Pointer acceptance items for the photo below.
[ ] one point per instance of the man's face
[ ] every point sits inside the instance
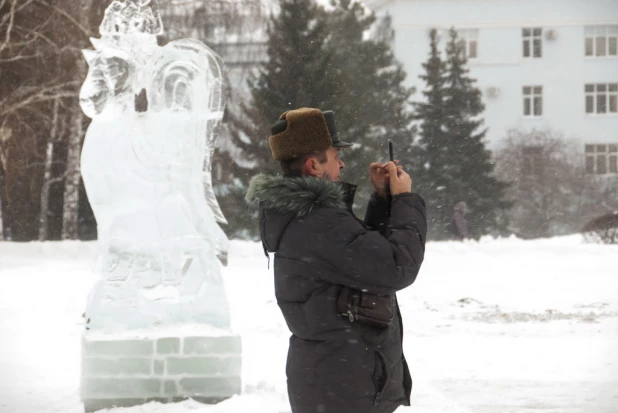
(331, 169)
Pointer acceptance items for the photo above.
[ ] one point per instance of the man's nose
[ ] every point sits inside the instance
(341, 164)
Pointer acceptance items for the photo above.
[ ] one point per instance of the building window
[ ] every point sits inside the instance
(601, 41)
(533, 42)
(601, 98)
(602, 159)
(533, 101)
(469, 40)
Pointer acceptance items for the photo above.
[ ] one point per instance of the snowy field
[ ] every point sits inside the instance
(496, 326)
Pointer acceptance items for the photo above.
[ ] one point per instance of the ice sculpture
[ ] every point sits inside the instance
(147, 175)
(158, 324)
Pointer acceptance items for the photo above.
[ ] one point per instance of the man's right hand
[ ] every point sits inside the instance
(400, 181)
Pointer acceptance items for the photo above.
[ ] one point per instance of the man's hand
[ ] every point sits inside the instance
(380, 176)
(400, 181)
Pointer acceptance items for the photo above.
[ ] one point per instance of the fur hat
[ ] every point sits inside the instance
(302, 131)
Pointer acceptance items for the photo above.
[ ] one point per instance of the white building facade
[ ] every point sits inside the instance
(541, 64)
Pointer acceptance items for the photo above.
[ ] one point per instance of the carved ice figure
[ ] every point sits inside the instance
(131, 17)
(147, 175)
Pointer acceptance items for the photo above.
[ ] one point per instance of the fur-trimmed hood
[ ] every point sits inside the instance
(281, 199)
(300, 195)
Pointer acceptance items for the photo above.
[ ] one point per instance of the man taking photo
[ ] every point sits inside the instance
(336, 276)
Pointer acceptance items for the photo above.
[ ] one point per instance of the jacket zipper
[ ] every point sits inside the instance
(387, 378)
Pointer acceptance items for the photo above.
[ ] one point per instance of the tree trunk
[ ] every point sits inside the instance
(70, 211)
(1, 223)
(3, 138)
(47, 171)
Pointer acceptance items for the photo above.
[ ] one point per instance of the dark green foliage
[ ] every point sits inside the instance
(287, 80)
(452, 163)
(430, 169)
(322, 59)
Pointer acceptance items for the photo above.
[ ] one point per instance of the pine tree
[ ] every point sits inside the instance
(456, 164)
(322, 59)
(431, 172)
(289, 79)
(476, 182)
(369, 94)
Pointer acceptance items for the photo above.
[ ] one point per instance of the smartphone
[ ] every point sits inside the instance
(389, 197)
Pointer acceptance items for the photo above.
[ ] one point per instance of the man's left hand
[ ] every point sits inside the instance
(379, 177)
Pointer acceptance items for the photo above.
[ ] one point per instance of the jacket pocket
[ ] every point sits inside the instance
(381, 376)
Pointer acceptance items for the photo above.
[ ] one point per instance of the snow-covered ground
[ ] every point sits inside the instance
(491, 326)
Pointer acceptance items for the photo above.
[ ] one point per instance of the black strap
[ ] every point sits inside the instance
(266, 253)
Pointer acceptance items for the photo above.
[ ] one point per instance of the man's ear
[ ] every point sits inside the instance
(311, 165)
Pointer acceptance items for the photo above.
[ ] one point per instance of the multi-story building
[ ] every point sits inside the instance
(542, 64)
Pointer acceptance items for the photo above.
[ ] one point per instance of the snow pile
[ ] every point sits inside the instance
(490, 326)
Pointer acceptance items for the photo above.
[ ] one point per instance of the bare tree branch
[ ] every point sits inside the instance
(18, 58)
(58, 178)
(9, 16)
(552, 193)
(34, 33)
(27, 96)
(9, 27)
(37, 164)
(84, 30)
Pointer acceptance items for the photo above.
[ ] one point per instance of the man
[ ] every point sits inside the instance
(460, 222)
(336, 276)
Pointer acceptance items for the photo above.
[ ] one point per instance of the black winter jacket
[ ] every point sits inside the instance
(334, 365)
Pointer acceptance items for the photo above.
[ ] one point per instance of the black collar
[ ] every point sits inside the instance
(349, 192)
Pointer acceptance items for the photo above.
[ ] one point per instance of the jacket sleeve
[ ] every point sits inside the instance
(377, 215)
(363, 259)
